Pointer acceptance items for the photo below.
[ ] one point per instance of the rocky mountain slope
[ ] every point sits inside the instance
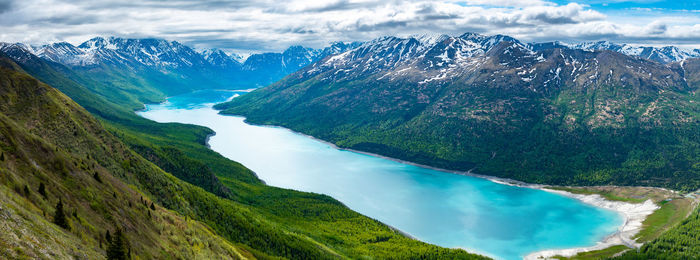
(496, 106)
(666, 54)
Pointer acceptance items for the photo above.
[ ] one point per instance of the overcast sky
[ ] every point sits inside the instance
(264, 25)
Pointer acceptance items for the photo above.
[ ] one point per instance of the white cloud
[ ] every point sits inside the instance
(253, 26)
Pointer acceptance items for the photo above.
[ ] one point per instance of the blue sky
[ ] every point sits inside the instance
(641, 11)
(624, 5)
(269, 25)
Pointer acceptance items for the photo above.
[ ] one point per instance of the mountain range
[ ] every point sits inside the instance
(664, 54)
(219, 68)
(171, 55)
(77, 164)
(497, 106)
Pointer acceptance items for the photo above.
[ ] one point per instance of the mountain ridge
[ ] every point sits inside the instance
(496, 104)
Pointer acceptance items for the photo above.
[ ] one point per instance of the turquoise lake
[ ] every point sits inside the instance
(446, 209)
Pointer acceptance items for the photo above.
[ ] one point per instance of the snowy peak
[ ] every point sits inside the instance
(665, 54)
(17, 51)
(216, 57)
(338, 47)
(150, 52)
(430, 39)
(96, 43)
(426, 51)
(293, 58)
(600, 45)
(487, 42)
(297, 55)
(65, 53)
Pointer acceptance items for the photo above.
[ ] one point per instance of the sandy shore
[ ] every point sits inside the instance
(634, 215)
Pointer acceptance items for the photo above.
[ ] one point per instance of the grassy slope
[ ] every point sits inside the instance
(671, 213)
(680, 242)
(33, 117)
(271, 220)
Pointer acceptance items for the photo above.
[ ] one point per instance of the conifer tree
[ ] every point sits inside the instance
(97, 177)
(42, 190)
(152, 206)
(59, 217)
(118, 247)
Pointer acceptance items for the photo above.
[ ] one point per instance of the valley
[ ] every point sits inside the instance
(593, 144)
(433, 206)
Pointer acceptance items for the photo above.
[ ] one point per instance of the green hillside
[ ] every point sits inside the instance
(601, 122)
(51, 150)
(259, 221)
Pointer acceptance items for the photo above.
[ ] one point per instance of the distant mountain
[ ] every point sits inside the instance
(219, 58)
(665, 54)
(137, 71)
(161, 62)
(499, 106)
(266, 68)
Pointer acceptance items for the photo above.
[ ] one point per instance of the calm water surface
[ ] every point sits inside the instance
(441, 208)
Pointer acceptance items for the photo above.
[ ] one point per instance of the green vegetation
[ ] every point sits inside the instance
(53, 146)
(59, 217)
(135, 194)
(669, 215)
(118, 247)
(597, 254)
(682, 241)
(317, 222)
(631, 129)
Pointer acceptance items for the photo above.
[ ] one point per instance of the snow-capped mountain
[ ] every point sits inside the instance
(66, 53)
(163, 54)
(293, 58)
(665, 54)
(428, 61)
(219, 58)
(149, 52)
(269, 67)
(17, 51)
(438, 55)
(171, 57)
(441, 56)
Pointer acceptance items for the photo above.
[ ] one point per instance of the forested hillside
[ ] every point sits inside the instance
(491, 105)
(255, 220)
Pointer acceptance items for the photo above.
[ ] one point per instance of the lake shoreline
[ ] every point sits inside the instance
(633, 214)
